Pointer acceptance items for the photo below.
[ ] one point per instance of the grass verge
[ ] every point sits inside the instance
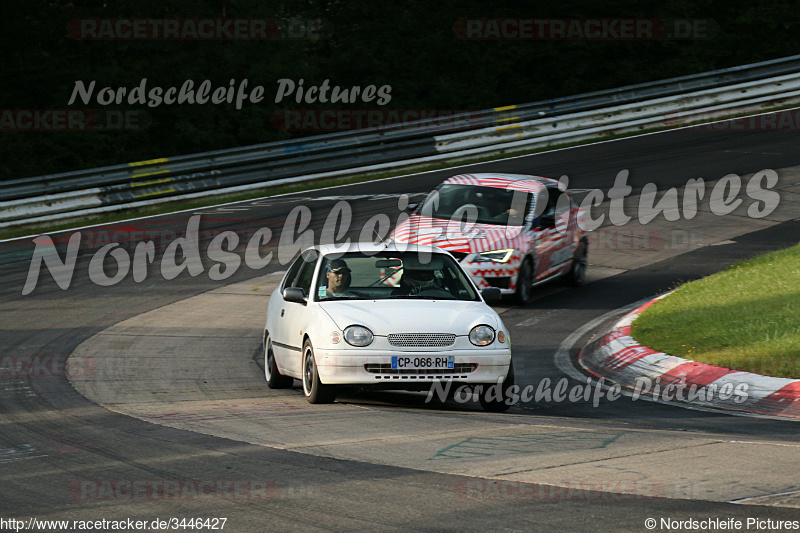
(746, 317)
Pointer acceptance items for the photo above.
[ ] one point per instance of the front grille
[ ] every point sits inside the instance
(459, 370)
(422, 340)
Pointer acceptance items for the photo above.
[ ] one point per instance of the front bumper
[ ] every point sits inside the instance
(490, 274)
(372, 367)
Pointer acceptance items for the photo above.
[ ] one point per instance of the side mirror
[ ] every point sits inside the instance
(412, 207)
(492, 295)
(294, 294)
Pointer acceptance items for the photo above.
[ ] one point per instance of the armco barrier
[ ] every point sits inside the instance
(671, 102)
(617, 357)
(651, 113)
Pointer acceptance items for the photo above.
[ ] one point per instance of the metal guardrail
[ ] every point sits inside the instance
(77, 193)
(655, 112)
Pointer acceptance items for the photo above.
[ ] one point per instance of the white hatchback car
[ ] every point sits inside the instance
(391, 317)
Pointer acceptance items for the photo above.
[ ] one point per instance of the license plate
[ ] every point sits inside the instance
(446, 362)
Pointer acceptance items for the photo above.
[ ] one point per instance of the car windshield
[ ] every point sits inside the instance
(483, 205)
(392, 275)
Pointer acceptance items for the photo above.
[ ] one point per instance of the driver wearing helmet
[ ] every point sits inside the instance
(416, 280)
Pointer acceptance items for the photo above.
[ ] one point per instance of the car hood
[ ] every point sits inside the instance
(447, 235)
(411, 316)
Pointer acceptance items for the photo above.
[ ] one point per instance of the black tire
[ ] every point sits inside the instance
(524, 282)
(275, 380)
(577, 270)
(313, 388)
(498, 403)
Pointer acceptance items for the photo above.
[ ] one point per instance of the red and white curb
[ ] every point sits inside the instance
(619, 358)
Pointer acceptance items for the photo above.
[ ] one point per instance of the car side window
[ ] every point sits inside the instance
(304, 276)
(548, 216)
(565, 204)
(292, 275)
(530, 203)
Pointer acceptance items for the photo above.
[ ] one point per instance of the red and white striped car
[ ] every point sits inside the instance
(507, 231)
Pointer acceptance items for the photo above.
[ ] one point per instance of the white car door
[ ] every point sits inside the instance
(287, 345)
(294, 317)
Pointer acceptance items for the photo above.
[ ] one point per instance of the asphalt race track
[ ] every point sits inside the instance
(171, 397)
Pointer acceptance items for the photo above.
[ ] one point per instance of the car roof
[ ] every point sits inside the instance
(503, 181)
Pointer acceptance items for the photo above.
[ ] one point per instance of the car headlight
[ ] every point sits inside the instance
(481, 335)
(495, 256)
(358, 336)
